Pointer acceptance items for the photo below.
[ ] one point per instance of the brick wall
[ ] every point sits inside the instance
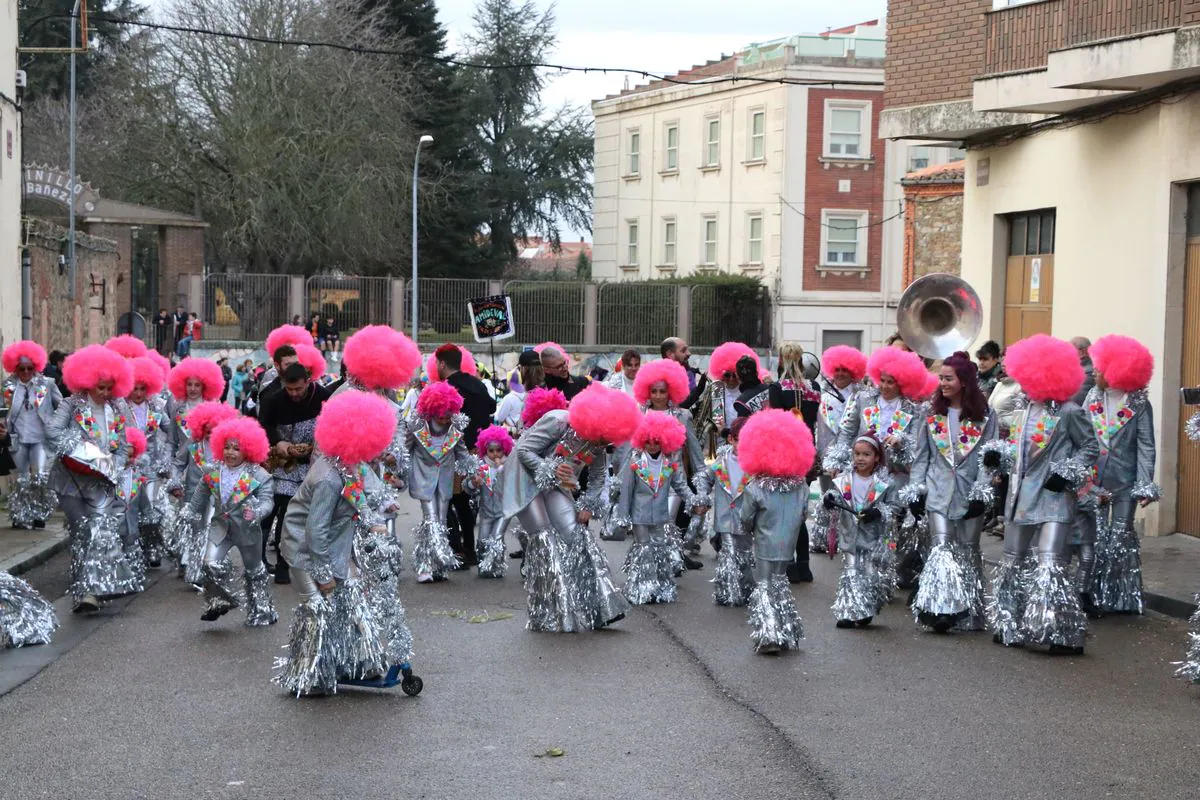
(1191, 12)
(935, 49)
(58, 323)
(180, 252)
(821, 191)
(120, 295)
(932, 230)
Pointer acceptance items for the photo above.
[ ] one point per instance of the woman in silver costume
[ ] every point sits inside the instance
(652, 476)
(958, 454)
(842, 371)
(337, 633)
(715, 411)
(567, 576)
(492, 448)
(89, 430)
(31, 399)
(240, 494)
(148, 413)
(436, 453)
(721, 485)
(1123, 421)
(861, 504)
(775, 448)
(1051, 448)
(25, 616)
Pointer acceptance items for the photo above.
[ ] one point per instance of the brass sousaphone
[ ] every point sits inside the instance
(939, 314)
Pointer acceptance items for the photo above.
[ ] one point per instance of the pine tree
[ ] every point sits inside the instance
(47, 23)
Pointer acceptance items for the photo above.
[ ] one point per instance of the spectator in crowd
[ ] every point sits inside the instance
(180, 319)
(1082, 345)
(677, 350)
(479, 406)
(529, 368)
(238, 383)
(330, 336)
(990, 368)
(297, 320)
(227, 374)
(184, 348)
(314, 327)
(558, 375)
(163, 327)
(54, 370)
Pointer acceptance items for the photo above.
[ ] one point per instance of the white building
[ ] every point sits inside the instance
(778, 175)
(10, 179)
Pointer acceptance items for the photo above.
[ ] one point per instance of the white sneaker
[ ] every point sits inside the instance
(425, 577)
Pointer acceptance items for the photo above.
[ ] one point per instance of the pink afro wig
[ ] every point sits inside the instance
(845, 357)
(247, 433)
(162, 362)
(85, 369)
(468, 365)
(287, 334)
(204, 418)
(539, 348)
(355, 427)
(212, 382)
(26, 348)
(539, 402)
(439, 400)
(1125, 363)
(921, 392)
(724, 359)
(906, 368)
(381, 358)
(137, 441)
(1046, 368)
(494, 434)
(777, 444)
(148, 374)
(600, 414)
(658, 426)
(662, 371)
(127, 346)
(311, 359)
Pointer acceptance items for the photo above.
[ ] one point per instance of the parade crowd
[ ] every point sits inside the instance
(894, 462)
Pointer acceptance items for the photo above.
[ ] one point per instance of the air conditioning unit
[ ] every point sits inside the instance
(22, 80)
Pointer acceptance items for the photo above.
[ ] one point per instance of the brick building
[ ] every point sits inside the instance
(782, 177)
(1081, 192)
(933, 209)
(57, 322)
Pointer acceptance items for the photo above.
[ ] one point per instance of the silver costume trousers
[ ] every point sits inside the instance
(553, 509)
(964, 532)
(1085, 551)
(217, 552)
(30, 458)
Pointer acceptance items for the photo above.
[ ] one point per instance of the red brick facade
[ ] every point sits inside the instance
(821, 192)
(180, 252)
(58, 323)
(936, 49)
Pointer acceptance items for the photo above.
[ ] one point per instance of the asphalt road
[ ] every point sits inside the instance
(147, 701)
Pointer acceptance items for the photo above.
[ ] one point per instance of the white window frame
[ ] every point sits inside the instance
(670, 152)
(860, 254)
(750, 240)
(705, 242)
(864, 129)
(632, 233)
(633, 154)
(670, 254)
(711, 145)
(912, 154)
(752, 138)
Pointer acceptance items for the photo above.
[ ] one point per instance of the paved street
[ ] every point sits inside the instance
(149, 702)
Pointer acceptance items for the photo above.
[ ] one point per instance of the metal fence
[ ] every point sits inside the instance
(245, 306)
(637, 313)
(352, 301)
(549, 311)
(720, 314)
(442, 307)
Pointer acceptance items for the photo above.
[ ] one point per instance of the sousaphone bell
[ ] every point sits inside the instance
(938, 315)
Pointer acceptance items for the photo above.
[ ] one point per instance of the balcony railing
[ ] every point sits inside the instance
(1021, 37)
(1096, 20)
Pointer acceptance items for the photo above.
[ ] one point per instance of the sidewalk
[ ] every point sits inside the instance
(1170, 571)
(21, 551)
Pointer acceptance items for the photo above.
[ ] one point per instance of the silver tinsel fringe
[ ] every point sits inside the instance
(380, 557)
(1192, 427)
(597, 600)
(1146, 490)
(25, 616)
(546, 575)
(493, 561)
(885, 578)
(910, 493)
(1118, 570)
(1006, 603)
(818, 530)
(905, 453)
(1070, 470)
(169, 527)
(771, 483)
(976, 619)
(650, 572)
(773, 616)
(99, 566)
(1005, 451)
(857, 596)
(1052, 614)
(31, 500)
(308, 666)
(983, 491)
(836, 459)
(260, 610)
(192, 541)
(219, 585)
(1189, 668)
(947, 585)
(431, 548)
(731, 579)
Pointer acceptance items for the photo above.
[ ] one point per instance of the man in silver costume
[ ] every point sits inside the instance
(31, 399)
(1051, 448)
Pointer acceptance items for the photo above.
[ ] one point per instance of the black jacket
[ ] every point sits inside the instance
(569, 386)
(478, 405)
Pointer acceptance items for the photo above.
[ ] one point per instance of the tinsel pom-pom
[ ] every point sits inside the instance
(1192, 427)
(946, 586)
(1071, 470)
(1053, 615)
(773, 616)
(1147, 490)
(910, 493)
(25, 616)
(836, 459)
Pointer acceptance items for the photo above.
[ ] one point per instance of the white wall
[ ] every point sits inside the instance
(10, 180)
(1118, 241)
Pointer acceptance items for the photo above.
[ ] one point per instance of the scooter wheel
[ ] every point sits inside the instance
(412, 685)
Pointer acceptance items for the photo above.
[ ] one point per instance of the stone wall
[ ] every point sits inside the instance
(933, 215)
(62, 324)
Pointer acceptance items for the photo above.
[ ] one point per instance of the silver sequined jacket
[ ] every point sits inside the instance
(434, 458)
(951, 474)
(713, 488)
(1064, 446)
(50, 400)
(773, 511)
(833, 409)
(852, 531)
(64, 433)
(258, 495)
(530, 469)
(861, 418)
(1126, 463)
(644, 504)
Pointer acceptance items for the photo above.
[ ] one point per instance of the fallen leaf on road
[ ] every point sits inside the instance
(551, 752)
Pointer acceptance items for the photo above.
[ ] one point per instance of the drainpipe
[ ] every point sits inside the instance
(26, 293)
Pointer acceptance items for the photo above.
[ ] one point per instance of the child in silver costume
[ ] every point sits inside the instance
(493, 446)
(654, 472)
(148, 413)
(722, 485)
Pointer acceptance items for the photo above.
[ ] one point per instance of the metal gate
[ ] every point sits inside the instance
(442, 308)
(548, 311)
(352, 301)
(244, 306)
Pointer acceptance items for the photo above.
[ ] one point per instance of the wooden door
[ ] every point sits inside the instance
(1028, 296)
(1188, 509)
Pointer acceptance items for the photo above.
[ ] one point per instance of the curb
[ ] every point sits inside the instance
(1161, 603)
(39, 557)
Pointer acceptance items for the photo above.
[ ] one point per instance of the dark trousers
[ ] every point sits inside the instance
(462, 535)
(274, 522)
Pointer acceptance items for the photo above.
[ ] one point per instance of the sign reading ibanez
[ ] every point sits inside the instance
(57, 185)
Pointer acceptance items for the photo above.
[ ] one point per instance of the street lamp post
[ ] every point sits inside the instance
(426, 139)
(71, 167)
